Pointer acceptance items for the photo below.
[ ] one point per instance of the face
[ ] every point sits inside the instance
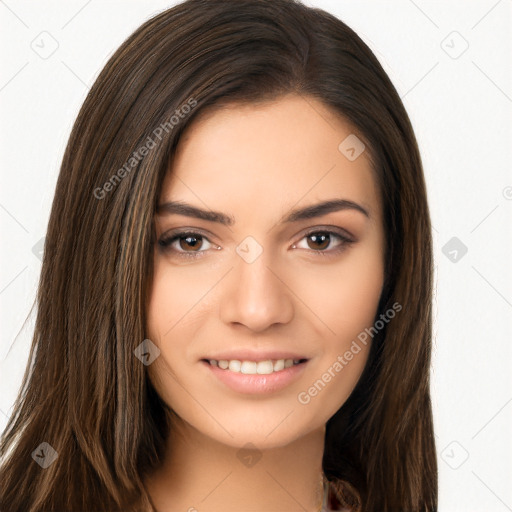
(260, 281)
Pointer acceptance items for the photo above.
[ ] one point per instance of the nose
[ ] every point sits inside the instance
(256, 295)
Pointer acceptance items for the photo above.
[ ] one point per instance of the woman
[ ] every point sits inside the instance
(234, 310)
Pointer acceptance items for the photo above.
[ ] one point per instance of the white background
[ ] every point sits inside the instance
(460, 104)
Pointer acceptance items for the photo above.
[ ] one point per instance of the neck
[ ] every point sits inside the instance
(201, 474)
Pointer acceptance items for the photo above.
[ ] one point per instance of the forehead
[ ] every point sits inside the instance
(270, 155)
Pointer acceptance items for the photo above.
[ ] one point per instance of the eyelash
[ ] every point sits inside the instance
(167, 240)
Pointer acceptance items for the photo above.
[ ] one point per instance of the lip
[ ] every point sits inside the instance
(251, 355)
(257, 384)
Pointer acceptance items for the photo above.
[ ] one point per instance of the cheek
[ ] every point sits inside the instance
(176, 311)
(161, 307)
(344, 297)
(168, 315)
(176, 297)
(360, 289)
(347, 310)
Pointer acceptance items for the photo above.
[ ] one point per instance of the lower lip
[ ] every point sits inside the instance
(257, 384)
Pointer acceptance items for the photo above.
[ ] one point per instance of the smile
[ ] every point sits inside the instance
(255, 367)
(244, 377)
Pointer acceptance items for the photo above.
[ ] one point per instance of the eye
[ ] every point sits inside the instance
(179, 243)
(321, 240)
(321, 243)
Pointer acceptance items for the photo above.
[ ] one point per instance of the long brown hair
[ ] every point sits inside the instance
(84, 392)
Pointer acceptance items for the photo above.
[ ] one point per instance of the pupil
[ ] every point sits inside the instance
(319, 239)
(195, 243)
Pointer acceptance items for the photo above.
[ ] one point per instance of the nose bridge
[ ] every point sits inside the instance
(256, 295)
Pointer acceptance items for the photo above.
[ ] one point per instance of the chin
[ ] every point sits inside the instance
(268, 433)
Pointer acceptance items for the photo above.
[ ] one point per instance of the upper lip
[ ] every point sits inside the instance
(251, 355)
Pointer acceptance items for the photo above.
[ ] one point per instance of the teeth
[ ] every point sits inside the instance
(253, 367)
(235, 365)
(279, 365)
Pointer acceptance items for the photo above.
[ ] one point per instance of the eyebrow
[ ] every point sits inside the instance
(309, 212)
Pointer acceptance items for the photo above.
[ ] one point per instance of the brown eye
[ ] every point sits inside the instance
(184, 243)
(319, 242)
(190, 241)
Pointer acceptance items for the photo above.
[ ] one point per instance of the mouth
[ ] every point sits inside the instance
(261, 378)
(266, 367)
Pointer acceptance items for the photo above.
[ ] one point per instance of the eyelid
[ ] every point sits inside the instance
(187, 229)
(336, 229)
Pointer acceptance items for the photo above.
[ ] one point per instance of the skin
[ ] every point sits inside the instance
(257, 163)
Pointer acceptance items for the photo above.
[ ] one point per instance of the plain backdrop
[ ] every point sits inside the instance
(448, 60)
